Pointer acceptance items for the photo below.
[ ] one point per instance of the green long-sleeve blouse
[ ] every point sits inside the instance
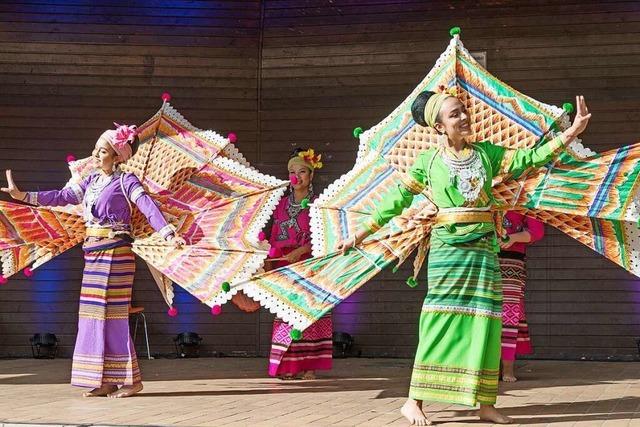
(454, 185)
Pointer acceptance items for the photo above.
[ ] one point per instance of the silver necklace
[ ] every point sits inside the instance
(293, 210)
(93, 192)
(469, 174)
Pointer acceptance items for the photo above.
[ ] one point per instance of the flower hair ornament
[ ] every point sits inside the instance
(311, 158)
(307, 158)
(121, 139)
(450, 91)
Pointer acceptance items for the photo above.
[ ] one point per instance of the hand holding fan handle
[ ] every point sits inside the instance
(353, 241)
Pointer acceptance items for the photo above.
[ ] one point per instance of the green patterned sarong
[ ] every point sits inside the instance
(458, 354)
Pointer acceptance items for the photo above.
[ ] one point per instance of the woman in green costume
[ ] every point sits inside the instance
(458, 355)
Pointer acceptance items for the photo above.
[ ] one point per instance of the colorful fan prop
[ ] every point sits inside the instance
(204, 187)
(588, 196)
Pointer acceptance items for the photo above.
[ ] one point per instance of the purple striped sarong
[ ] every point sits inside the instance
(104, 352)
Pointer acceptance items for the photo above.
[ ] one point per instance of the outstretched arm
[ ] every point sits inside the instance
(144, 202)
(513, 162)
(401, 197)
(70, 195)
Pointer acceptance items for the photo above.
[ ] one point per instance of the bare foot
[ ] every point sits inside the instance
(288, 377)
(309, 375)
(508, 371)
(101, 391)
(490, 413)
(126, 391)
(412, 411)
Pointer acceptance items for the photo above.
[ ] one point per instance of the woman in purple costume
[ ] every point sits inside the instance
(104, 357)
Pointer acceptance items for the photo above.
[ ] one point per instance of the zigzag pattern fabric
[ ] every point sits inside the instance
(204, 187)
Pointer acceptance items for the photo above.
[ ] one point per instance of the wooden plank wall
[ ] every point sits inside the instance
(304, 73)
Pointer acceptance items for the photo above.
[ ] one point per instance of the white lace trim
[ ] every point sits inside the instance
(284, 311)
(318, 242)
(167, 231)
(580, 150)
(8, 266)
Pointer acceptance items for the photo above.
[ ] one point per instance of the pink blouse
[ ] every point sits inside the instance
(515, 222)
(289, 233)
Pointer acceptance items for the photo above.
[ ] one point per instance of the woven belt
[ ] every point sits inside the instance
(102, 232)
(463, 217)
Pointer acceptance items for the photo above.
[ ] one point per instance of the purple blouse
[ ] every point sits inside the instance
(104, 202)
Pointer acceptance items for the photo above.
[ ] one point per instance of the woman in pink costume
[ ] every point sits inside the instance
(521, 231)
(290, 241)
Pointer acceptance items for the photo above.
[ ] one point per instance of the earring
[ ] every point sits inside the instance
(311, 187)
(442, 139)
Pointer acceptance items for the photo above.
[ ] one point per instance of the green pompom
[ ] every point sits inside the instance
(357, 132)
(454, 31)
(293, 297)
(304, 203)
(226, 286)
(412, 282)
(295, 334)
(568, 107)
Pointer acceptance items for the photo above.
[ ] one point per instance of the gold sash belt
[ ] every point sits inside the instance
(103, 232)
(463, 217)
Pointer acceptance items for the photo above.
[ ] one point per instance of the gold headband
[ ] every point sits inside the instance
(432, 108)
(299, 161)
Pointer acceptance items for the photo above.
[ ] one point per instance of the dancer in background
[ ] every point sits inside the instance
(290, 241)
(521, 231)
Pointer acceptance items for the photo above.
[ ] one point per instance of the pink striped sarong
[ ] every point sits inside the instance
(314, 351)
(515, 331)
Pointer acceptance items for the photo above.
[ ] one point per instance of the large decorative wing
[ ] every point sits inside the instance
(203, 186)
(219, 211)
(31, 236)
(592, 199)
(302, 292)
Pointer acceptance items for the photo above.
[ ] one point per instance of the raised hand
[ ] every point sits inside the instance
(582, 117)
(12, 188)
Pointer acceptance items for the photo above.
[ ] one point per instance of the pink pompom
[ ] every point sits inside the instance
(216, 310)
(3, 280)
(173, 312)
(293, 179)
(71, 158)
(232, 137)
(261, 236)
(28, 272)
(166, 97)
